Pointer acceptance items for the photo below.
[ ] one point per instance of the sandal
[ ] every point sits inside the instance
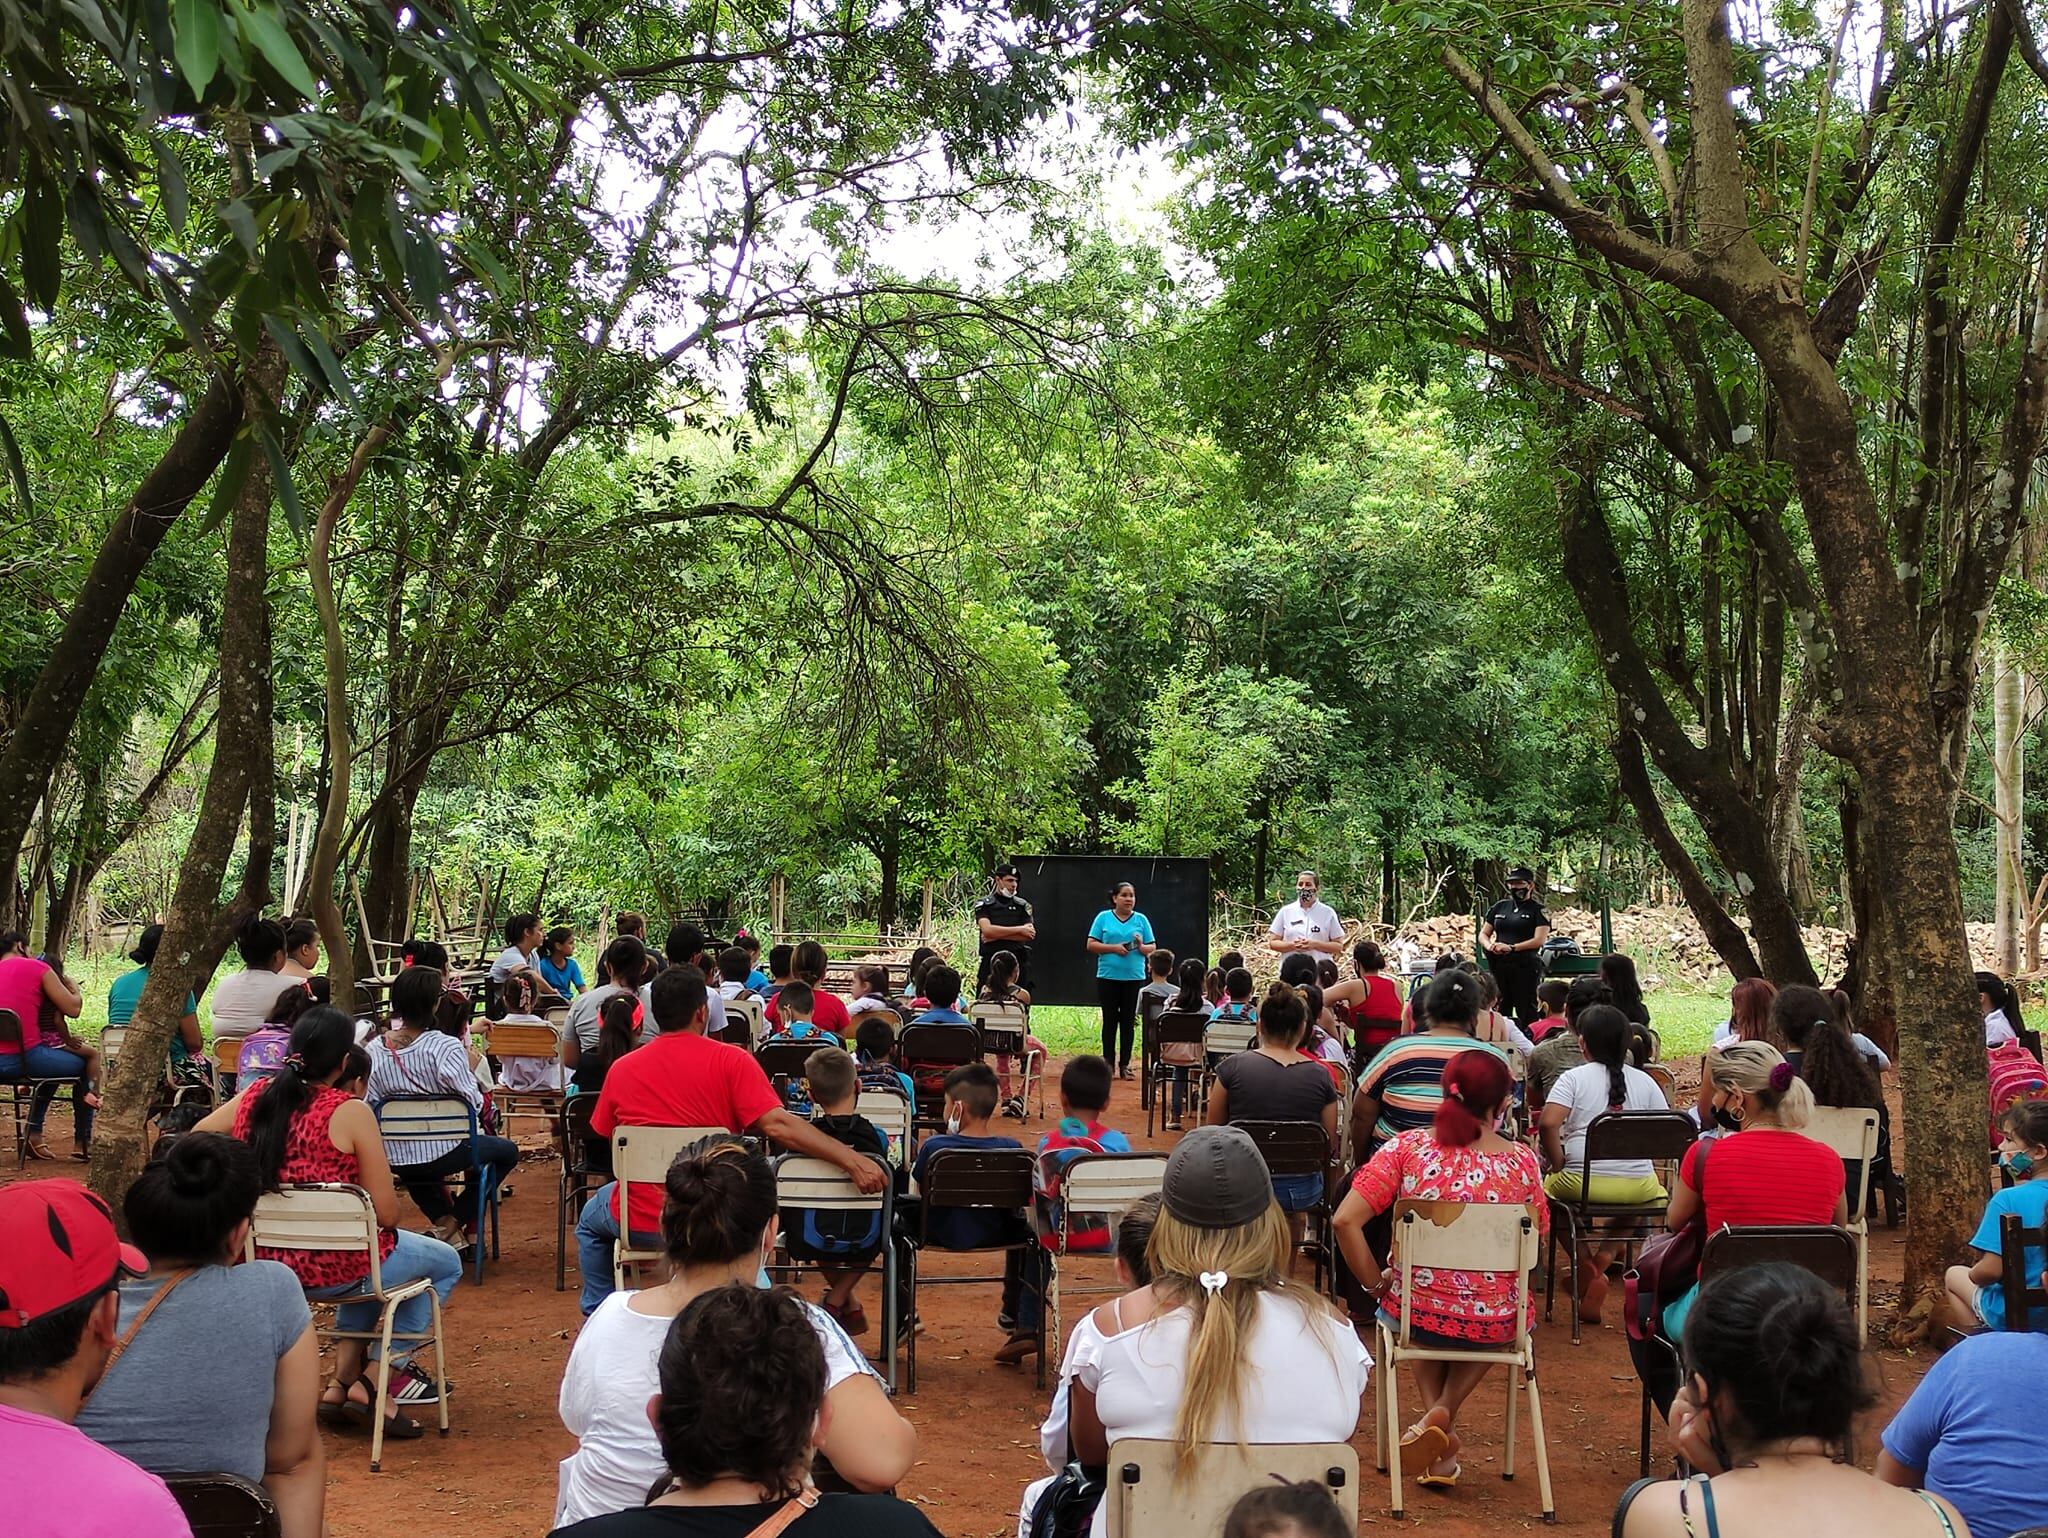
(397, 1425)
(1447, 1481)
(37, 1148)
(1421, 1447)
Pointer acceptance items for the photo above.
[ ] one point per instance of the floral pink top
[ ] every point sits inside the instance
(1467, 1305)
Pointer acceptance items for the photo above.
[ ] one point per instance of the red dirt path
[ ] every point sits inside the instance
(977, 1422)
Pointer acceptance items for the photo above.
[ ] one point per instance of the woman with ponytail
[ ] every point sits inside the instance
(1605, 1082)
(189, 1212)
(1459, 1157)
(1766, 1172)
(2000, 1003)
(303, 1128)
(718, 1227)
(1223, 1345)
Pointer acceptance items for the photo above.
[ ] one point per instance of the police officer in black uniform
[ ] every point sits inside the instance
(1512, 934)
(1005, 923)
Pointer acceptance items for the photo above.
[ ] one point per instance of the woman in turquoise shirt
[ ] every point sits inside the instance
(1120, 939)
(188, 1063)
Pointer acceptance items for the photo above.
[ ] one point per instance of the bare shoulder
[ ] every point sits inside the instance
(1652, 1510)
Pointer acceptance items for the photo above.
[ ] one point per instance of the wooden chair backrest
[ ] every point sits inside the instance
(1145, 1497)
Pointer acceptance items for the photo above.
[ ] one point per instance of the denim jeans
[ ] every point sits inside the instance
(43, 1062)
(1024, 1287)
(418, 1257)
(596, 1232)
(423, 1182)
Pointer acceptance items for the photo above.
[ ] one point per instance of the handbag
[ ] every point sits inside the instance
(1067, 1506)
(1666, 1265)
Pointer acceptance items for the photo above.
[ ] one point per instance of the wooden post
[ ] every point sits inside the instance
(778, 906)
(924, 928)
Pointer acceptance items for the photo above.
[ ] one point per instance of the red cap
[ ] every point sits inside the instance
(57, 1247)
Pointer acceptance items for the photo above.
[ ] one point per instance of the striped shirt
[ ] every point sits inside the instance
(1407, 1079)
(431, 1064)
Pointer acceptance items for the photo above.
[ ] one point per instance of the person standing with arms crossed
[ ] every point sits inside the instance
(1308, 924)
(1005, 924)
(1120, 939)
(1512, 934)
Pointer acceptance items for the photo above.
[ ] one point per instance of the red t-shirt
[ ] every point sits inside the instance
(679, 1079)
(828, 1013)
(1766, 1175)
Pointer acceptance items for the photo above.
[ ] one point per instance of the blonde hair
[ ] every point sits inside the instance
(1748, 1066)
(1255, 1256)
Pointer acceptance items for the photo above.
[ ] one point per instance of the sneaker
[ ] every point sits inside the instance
(1006, 1323)
(1173, 1124)
(411, 1386)
(1014, 1106)
(1016, 1349)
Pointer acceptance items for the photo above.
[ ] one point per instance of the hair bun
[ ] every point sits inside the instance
(194, 1167)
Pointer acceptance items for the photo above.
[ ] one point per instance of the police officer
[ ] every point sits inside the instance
(1512, 934)
(1004, 920)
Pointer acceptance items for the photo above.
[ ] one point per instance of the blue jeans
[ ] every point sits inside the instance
(419, 1257)
(42, 1062)
(596, 1232)
(1024, 1287)
(1297, 1193)
(424, 1183)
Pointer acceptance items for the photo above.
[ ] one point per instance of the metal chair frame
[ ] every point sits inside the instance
(993, 1179)
(1662, 1137)
(448, 1116)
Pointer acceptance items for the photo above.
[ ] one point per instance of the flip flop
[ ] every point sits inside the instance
(1440, 1481)
(1422, 1447)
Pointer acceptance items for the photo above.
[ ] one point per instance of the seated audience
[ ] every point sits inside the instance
(913, 975)
(1824, 1054)
(735, 966)
(795, 1007)
(301, 949)
(1551, 995)
(620, 966)
(1179, 1057)
(2000, 1003)
(942, 997)
(1084, 1339)
(305, 1129)
(843, 1244)
(1302, 1510)
(1374, 1001)
(870, 991)
(1224, 1345)
(1958, 1436)
(1460, 1157)
(1084, 1097)
(1559, 1052)
(684, 1079)
(264, 1049)
(807, 965)
(61, 1264)
(718, 1227)
(1766, 1172)
(970, 1106)
(778, 971)
(529, 1075)
(875, 1043)
(1605, 1082)
(189, 1213)
(521, 953)
(1161, 986)
(618, 1032)
(634, 924)
(1277, 1081)
(242, 1000)
(1750, 1016)
(1619, 973)
(743, 1404)
(757, 980)
(1773, 1383)
(414, 1060)
(1495, 1027)
(1975, 1294)
(188, 1061)
(1001, 987)
(27, 985)
(1403, 1086)
(557, 963)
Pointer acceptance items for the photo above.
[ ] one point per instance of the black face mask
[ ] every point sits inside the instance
(1725, 1121)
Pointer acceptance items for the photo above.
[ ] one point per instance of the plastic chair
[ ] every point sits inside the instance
(541, 1043)
(748, 1012)
(447, 1116)
(889, 1113)
(1851, 1132)
(1176, 1028)
(1105, 1185)
(1005, 1028)
(579, 1178)
(341, 1218)
(1662, 1137)
(224, 1506)
(22, 1091)
(993, 1179)
(804, 1184)
(641, 1156)
(1463, 1236)
(1299, 1148)
(1145, 1496)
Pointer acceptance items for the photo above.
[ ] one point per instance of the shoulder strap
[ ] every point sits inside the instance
(1628, 1499)
(1948, 1528)
(792, 1508)
(170, 1285)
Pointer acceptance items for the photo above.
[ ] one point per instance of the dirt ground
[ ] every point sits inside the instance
(977, 1422)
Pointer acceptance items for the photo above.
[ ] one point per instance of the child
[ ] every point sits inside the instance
(875, 1038)
(263, 1049)
(1001, 988)
(779, 959)
(1304, 1510)
(941, 996)
(1181, 1056)
(1084, 1096)
(1551, 994)
(528, 1074)
(921, 959)
(970, 1106)
(756, 978)
(1214, 989)
(793, 1006)
(1159, 989)
(843, 1243)
(734, 969)
(1975, 1298)
(870, 990)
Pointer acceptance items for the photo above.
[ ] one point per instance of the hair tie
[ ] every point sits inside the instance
(1215, 1281)
(294, 1062)
(1781, 1077)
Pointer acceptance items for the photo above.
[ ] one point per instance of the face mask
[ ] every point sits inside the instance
(2020, 1164)
(1726, 1120)
(953, 1125)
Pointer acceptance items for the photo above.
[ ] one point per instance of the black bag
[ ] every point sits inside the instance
(1667, 1264)
(1068, 1504)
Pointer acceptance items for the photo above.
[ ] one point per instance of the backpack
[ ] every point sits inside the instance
(2016, 1075)
(263, 1054)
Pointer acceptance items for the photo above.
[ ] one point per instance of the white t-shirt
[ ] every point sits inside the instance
(1582, 1091)
(1998, 1030)
(512, 959)
(242, 1000)
(1318, 921)
(1303, 1378)
(714, 1015)
(530, 1074)
(613, 1371)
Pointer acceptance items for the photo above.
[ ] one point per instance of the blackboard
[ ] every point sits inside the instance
(1066, 891)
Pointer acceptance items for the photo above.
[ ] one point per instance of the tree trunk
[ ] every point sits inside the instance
(1786, 816)
(43, 731)
(1721, 930)
(1390, 885)
(890, 854)
(196, 930)
(2008, 768)
(387, 881)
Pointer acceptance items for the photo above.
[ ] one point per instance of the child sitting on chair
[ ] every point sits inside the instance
(529, 1074)
(1001, 988)
(793, 1007)
(1084, 1096)
(875, 1044)
(844, 1244)
(1976, 1300)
